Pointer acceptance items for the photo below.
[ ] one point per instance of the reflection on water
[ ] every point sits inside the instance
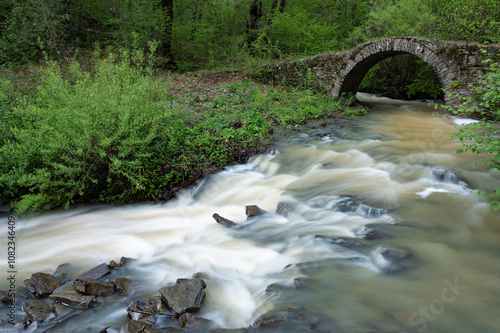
(393, 171)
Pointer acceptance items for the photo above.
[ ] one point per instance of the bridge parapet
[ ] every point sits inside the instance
(456, 65)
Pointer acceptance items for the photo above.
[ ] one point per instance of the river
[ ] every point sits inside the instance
(435, 267)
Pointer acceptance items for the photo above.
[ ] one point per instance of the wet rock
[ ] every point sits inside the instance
(371, 212)
(223, 221)
(394, 255)
(185, 296)
(124, 285)
(5, 298)
(300, 284)
(347, 204)
(448, 176)
(195, 323)
(284, 209)
(342, 241)
(37, 310)
(69, 296)
(42, 284)
(271, 320)
(389, 260)
(96, 272)
(93, 287)
(113, 265)
(275, 289)
(253, 210)
(144, 325)
(372, 234)
(231, 330)
(124, 261)
(62, 311)
(156, 302)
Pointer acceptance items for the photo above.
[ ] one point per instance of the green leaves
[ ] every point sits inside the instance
(483, 137)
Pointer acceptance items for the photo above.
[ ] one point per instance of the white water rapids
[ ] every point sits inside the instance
(387, 159)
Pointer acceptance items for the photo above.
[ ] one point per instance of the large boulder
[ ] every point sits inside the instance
(185, 296)
(69, 296)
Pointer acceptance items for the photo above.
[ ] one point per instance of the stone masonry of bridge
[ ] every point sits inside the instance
(456, 65)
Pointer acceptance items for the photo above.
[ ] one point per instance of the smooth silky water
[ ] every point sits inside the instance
(449, 283)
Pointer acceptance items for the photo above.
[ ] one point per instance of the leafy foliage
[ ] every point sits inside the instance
(117, 133)
(483, 137)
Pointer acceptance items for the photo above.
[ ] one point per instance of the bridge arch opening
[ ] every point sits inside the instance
(404, 76)
(358, 61)
(351, 82)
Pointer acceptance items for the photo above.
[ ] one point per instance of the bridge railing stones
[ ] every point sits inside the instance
(456, 65)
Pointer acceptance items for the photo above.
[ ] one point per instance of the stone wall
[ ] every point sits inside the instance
(456, 65)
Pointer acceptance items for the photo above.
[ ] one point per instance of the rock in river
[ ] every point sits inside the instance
(185, 296)
(37, 310)
(93, 287)
(71, 297)
(41, 284)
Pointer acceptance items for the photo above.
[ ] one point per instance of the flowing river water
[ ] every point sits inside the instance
(430, 261)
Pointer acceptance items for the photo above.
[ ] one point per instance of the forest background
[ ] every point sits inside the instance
(90, 104)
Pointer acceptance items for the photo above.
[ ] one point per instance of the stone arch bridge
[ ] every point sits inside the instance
(456, 65)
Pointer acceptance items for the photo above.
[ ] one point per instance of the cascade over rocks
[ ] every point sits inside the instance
(448, 176)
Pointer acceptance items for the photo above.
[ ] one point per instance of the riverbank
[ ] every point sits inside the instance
(130, 134)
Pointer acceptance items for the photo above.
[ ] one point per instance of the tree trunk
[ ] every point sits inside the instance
(166, 46)
(252, 26)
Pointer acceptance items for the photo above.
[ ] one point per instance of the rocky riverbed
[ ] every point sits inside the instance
(51, 301)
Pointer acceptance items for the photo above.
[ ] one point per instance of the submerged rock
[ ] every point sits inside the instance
(124, 261)
(223, 221)
(124, 285)
(448, 176)
(371, 233)
(37, 310)
(389, 260)
(342, 241)
(185, 296)
(42, 284)
(5, 298)
(195, 323)
(93, 287)
(71, 297)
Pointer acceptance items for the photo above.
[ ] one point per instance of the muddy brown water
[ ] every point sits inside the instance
(390, 159)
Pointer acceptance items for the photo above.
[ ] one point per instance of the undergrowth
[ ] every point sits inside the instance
(117, 132)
